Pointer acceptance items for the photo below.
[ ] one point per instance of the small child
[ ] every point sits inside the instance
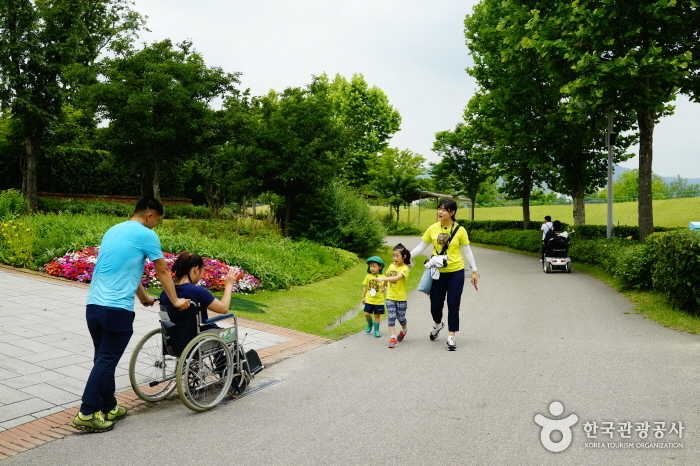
(373, 294)
(396, 301)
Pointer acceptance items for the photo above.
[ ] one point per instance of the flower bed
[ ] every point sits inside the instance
(79, 266)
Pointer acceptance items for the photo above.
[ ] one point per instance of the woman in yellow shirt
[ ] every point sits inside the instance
(451, 281)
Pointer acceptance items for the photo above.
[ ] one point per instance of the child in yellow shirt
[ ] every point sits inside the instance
(396, 300)
(373, 288)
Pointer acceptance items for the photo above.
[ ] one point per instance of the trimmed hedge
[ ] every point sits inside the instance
(76, 206)
(668, 262)
(582, 231)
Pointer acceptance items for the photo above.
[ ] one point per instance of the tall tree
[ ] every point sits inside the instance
(369, 121)
(625, 56)
(156, 101)
(463, 160)
(41, 45)
(298, 141)
(395, 177)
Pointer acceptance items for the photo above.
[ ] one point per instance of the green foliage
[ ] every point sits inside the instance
(12, 203)
(77, 206)
(279, 262)
(338, 217)
(16, 241)
(627, 186)
(675, 267)
(465, 166)
(526, 240)
(369, 122)
(619, 231)
(46, 52)
(157, 103)
(395, 177)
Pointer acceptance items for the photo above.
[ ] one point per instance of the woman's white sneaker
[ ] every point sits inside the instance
(451, 343)
(436, 330)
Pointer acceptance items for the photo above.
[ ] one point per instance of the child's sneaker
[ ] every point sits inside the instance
(402, 335)
(393, 342)
(94, 422)
(436, 330)
(115, 414)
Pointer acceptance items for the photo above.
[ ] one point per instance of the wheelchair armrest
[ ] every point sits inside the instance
(217, 318)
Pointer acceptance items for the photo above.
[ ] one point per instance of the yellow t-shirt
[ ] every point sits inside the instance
(396, 291)
(437, 235)
(378, 287)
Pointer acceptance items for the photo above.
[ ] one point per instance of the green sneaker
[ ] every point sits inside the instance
(94, 422)
(117, 413)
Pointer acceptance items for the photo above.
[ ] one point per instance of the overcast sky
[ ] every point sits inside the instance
(412, 49)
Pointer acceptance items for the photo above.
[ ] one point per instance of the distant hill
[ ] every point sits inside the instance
(619, 170)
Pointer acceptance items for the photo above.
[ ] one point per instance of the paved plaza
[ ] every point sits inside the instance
(46, 350)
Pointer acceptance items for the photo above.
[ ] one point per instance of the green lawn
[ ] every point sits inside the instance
(313, 308)
(667, 213)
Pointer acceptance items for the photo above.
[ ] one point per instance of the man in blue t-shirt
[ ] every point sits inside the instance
(110, 307)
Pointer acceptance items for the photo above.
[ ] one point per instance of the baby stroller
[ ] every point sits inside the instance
(556, 250)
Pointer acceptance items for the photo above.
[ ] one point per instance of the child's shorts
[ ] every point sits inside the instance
(374, 309)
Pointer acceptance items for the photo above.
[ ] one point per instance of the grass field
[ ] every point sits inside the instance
(313, 308)
(667, 213)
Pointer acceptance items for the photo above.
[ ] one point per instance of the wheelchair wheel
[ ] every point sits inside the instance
(241, 377)
(204, 372)
(151, 372)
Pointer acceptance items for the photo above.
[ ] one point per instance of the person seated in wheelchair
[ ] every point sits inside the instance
(187, 270)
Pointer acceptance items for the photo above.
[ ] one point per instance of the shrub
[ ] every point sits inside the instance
(619, 231)
(401, 229)
(496, 225)
(526, 240)
(17, 241)
(337, 217)
(118, 209)
(278, 262)
(12, 203)
(675, 268)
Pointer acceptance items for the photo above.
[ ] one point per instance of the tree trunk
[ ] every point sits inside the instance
(472, 198)
(147, 176)
(578, 196)
(527, 189)
(287, 215)
(156, 180)
(645, 120)
(29, 179)
(398, 211)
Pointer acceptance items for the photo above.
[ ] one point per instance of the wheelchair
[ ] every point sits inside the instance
(203, 370)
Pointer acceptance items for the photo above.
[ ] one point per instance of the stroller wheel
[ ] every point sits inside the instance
(548, 268)
(568, 268)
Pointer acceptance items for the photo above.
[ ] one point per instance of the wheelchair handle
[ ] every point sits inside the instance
(218, 318)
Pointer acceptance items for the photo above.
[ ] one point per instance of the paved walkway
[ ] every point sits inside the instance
(527, 339)
(46, 350)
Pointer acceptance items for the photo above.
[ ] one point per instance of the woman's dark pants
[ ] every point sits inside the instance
(450, 285)
(110, 329)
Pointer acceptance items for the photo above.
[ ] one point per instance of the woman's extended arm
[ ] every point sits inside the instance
(222, 306)
(469, 255)
(419, 249)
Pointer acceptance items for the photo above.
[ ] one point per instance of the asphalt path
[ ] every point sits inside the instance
(527, 339)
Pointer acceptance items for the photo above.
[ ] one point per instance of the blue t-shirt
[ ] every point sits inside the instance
(119, 266)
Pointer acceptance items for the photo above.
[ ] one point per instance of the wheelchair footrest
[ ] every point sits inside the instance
(254, 363)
